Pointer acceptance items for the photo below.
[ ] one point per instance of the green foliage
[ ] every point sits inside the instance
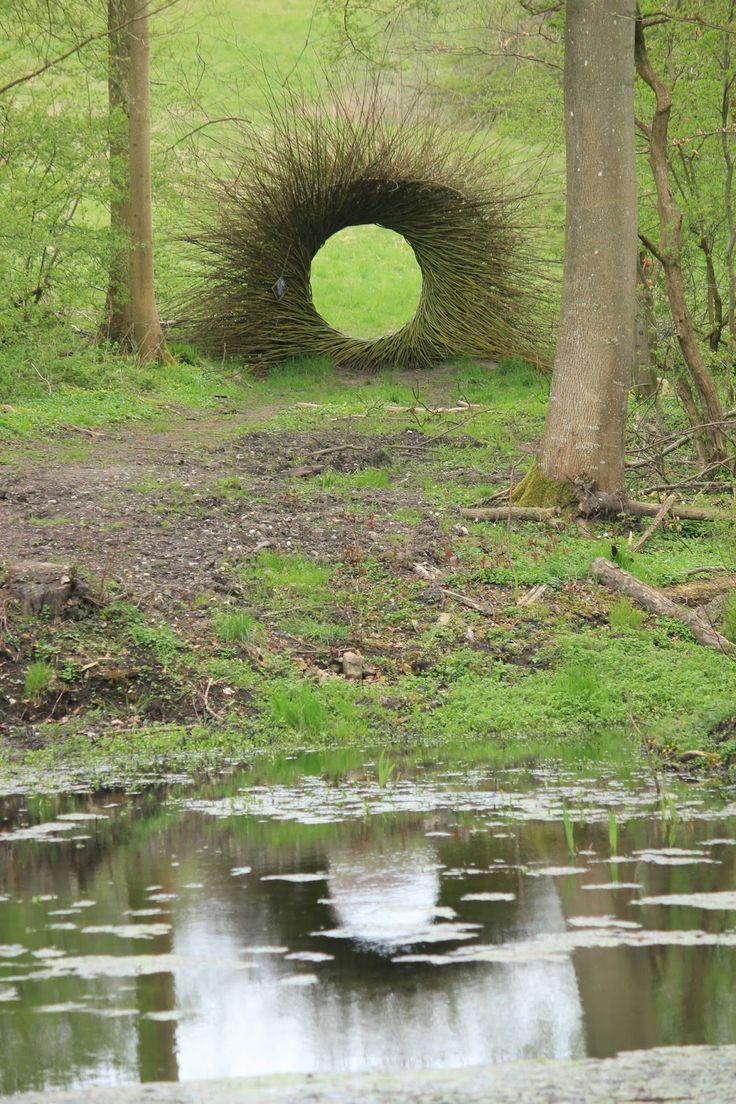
(366, 477)
(185, 353)
(729, 617)
(315, 712)
(613, 831)
(299, 708)
(585, 688)
(89, 386)
(625, 559)
(569, 829)
(384, 768)
(231, 487)
(158, 637)
(308, 628)
(623, 615)
(238, 626)
(38, 681)
(296, 574)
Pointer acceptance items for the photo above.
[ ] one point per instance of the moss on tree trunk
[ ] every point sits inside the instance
(537, 489)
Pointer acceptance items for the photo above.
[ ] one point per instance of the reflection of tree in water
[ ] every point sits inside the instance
(639, 997)
(155, 994)
(40, 1048)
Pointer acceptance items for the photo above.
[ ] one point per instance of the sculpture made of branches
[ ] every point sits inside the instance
(314, 170)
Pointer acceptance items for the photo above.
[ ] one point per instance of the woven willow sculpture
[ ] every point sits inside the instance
(314, 171)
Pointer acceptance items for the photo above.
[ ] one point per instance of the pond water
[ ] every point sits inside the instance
(332, 915)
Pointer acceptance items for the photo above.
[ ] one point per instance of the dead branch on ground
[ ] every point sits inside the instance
(652, 599)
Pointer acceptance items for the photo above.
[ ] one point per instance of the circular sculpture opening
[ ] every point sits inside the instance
(366, 281)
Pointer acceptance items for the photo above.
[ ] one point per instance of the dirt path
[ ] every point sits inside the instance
(159, 510)
(680, 1075)
(161, 519)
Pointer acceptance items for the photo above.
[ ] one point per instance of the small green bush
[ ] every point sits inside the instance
(371, 477)
(298, 707)
(625, 616)
(238, 626)
(309, 628)
(38, 681)
(293, 572)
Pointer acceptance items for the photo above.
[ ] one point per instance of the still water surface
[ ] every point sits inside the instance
(312, 919)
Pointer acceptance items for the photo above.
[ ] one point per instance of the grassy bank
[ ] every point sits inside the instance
(256, 529)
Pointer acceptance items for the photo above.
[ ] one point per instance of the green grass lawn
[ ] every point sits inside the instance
(366, 281)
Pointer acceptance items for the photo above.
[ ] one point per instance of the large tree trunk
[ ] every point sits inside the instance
(147, 332)
(584, 433)
(669, 251)
(119, 323)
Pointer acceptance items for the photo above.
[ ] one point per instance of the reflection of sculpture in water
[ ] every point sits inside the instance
(387, 897)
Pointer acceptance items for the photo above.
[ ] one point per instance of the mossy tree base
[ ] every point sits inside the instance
(537, 489)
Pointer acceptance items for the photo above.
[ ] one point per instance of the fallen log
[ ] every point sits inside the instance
(685, 513)
(516, 513)
(656, 602)
(601, 507)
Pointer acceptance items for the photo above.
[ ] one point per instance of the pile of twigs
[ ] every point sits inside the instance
(315, 169)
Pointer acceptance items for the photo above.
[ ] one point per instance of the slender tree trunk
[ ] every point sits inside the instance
(119, 323)
(644, 376)
(584, 434)
(727, 137)
(147, 332)
(685, 395)
(669, 251)
(716, 321)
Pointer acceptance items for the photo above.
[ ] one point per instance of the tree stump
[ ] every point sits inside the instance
(38, 585)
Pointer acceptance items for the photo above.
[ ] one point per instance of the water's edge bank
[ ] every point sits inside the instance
(687, 1075)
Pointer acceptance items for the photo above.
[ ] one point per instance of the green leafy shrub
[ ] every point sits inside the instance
(298, 707)
(238, 626)
(38, 681)
(625, 616)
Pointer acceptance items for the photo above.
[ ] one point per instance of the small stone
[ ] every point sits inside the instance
(352, 665)
(444, 619)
